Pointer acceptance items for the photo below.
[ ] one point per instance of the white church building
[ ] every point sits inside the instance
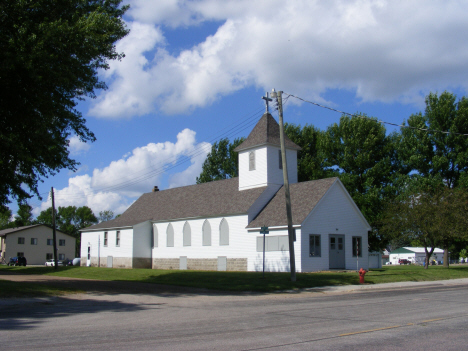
(216, 225)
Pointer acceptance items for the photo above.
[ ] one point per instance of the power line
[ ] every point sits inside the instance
(380, 121)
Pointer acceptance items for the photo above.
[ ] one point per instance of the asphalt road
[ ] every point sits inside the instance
(432, 316)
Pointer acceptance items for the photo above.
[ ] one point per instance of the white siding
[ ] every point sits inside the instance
(335, 214)
(277, 261)
(267, 171)
(125, 250)
(258, 177)
(241, 243)
(142, 240)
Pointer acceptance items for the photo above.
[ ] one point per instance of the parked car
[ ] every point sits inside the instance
(403, 261)
(17, 261)
(51, 263)
(68, 263)
(388, 263)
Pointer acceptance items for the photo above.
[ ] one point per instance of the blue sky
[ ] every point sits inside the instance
(195, 71)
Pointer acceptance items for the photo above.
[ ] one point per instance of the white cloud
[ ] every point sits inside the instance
(116, 186)
(382, 50)
(76, 146)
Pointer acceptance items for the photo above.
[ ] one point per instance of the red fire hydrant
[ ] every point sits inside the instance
(362, 273)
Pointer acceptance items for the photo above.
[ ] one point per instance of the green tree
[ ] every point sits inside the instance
(431, 216)
(24, 216)
(69, 220)
(365, 159)
(5, 218)
(311, 159)
(51, 52)
(221, 162)
(430, 153)
(105, 216)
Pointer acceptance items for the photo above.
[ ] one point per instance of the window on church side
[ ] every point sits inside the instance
(224, 232)
(187, 239)
(206, 240)
(252, 161)
(170, 235)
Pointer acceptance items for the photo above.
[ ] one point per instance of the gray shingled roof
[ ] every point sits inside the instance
(266, 131)
(216, 198)
(304, 197)
(16, 229)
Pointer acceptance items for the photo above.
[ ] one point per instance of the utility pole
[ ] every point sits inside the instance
(291, 232)
(53, 228)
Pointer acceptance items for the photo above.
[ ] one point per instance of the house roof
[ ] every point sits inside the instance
(218, 198)
(266, 131)
(18, 229)
(401, 250)
(304, 197)
(410, 249)
(422, 250)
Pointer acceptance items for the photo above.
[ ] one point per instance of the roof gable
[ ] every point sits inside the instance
(304, 197)
(218, 198)
(401, 250)
(266, 131)
(19, 229)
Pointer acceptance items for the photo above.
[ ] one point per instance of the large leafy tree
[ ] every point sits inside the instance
(436, 152)
(70, 220)
(51, 52)
(428, 215)
(311, 159)
(24, 216)
(364, 156)
(105, 215)
(221, 162)
(5, 218)
(429, 152)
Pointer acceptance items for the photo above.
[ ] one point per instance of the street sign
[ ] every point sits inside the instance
(264, 230)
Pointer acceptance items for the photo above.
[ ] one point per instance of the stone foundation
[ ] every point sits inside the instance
(119, 262)
(236, 264)
(202, 264)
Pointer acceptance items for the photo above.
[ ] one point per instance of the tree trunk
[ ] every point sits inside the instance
(446, 256)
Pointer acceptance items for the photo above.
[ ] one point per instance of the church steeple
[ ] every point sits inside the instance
(260, 157)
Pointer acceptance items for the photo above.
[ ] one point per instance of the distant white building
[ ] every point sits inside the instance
(216, 225)
(415, 255)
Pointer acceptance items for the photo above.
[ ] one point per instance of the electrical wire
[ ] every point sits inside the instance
(380, 121)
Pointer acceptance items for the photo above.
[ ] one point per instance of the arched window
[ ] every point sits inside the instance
(170, 235)
(252, 161)
(206, 233)
(187, 240)
(224, 232)
(155, 236)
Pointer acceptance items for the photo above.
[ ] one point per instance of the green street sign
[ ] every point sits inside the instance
(264, 230)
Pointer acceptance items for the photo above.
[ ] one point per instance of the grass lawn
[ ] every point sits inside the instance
(248, 281)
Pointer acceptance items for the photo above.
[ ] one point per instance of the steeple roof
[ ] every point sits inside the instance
(266, 131)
